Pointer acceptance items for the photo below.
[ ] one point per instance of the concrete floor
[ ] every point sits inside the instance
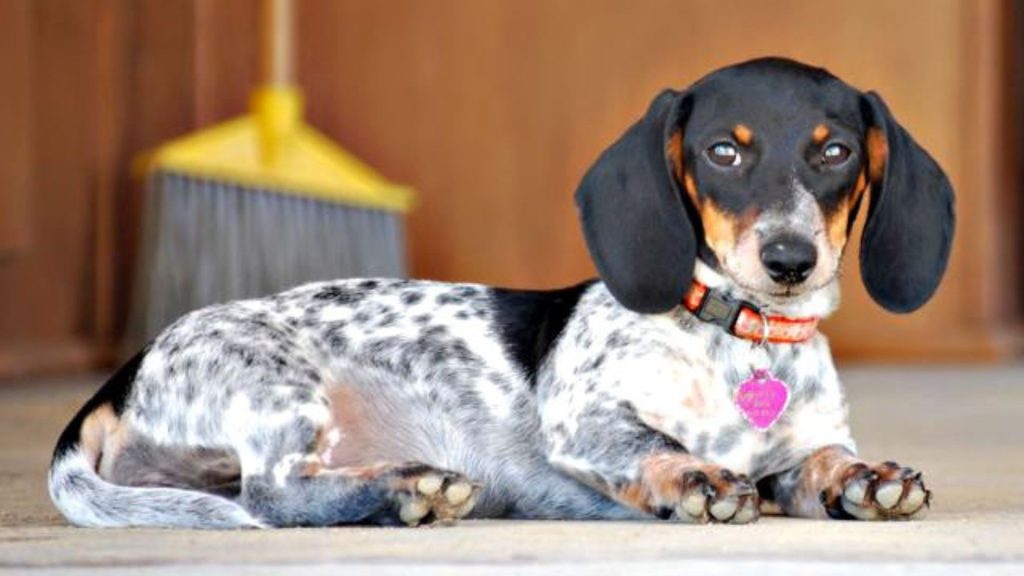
(962, 426)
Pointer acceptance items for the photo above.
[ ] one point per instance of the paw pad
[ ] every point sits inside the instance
(435, 497)
(884, 492)
(719, 496)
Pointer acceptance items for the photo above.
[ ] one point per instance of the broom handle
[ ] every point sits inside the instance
(278, 46)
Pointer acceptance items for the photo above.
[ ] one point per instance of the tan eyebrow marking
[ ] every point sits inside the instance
(820, 133)
(743, 134)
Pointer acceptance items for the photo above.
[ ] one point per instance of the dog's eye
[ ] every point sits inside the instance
(724, 154)
(835, 154)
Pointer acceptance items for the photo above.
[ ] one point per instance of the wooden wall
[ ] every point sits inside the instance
(15, 125)
(491, 109)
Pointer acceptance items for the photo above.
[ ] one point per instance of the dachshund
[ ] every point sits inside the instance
(689, 383)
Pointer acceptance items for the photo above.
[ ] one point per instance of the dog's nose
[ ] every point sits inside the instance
(789, 260)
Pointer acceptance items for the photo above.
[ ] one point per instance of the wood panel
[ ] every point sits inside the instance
(227, 58)
(1013, 95)
(44, 291)
(15, 126)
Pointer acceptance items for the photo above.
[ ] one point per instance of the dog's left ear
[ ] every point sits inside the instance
(636, 226)
(909, 229)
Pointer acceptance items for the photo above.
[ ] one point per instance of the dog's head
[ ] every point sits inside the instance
(758, 170)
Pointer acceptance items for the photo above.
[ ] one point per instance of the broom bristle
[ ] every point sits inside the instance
(206, 242)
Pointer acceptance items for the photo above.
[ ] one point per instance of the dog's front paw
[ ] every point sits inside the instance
(886, 491)
(710, 494)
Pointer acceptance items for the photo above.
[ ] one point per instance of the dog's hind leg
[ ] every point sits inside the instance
(286, 482)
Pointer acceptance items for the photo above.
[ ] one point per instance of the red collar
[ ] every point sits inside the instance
(746, 320)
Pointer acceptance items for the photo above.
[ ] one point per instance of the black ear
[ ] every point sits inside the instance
(909, 229)
(634, 221)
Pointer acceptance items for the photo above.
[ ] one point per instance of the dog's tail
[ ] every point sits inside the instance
(86, 499)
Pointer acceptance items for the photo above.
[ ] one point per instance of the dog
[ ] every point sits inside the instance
(689, 383)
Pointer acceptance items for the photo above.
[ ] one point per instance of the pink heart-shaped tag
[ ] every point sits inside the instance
(762, 399)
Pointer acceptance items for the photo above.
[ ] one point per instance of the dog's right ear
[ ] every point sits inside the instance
(636, 227)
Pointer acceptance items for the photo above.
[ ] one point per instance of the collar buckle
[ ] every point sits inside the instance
(719, 309)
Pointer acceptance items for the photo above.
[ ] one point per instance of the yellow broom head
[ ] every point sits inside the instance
(254, 206)
(273, 149)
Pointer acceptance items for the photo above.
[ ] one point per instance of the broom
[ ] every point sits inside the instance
(258, 204)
